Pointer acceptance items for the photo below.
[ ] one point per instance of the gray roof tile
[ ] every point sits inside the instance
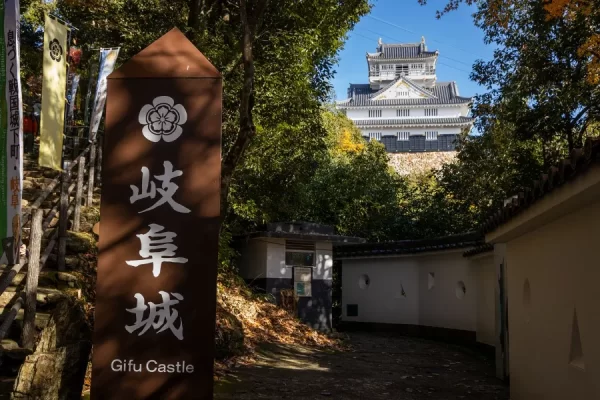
(402, 51)
(362, 95)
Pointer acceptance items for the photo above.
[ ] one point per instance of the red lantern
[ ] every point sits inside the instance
(75, 54)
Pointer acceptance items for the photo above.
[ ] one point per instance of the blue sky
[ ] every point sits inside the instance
(459, 41)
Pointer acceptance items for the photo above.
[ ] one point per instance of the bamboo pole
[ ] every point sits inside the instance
(8, 278)
(78, 195)
(10, 317)
(33, 273)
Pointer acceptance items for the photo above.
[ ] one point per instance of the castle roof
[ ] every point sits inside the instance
(361, 95)
(401, 51)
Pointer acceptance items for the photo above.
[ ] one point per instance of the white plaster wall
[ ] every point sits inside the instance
(276, 259)
(323, 261)
(414, 112)
(561, 262)
(484, 270)
(414, 131)
(439, 306)
(253, 259)
(382, 301)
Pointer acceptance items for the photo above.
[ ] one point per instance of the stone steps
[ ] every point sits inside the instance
(44, 296)
(11, 358)
(41, 318)
(6, 386)
(48, 277)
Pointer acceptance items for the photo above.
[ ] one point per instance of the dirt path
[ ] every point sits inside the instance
(378, 367)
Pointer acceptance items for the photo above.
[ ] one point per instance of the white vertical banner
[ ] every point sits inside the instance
(11, 122)
(71, 96)
(108, 58)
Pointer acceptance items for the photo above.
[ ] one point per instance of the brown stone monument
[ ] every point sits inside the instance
(156, 291)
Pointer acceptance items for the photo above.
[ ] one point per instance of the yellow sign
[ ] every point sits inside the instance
(52, 120)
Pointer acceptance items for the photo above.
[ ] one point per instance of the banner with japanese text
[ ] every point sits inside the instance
(108, 58)
(11, 123)
(53, 93)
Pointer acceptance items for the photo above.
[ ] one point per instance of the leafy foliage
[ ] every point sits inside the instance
(543, 79)
(328, 175)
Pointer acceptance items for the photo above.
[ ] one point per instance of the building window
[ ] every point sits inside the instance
(375, 135)
(431, 112)
(375, 113)
(404, 136)
(352, 310)
(403, 112)
(299, 253)
(402, 69)
(431, 136)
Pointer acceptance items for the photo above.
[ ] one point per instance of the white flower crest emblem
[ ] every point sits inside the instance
(162, 119)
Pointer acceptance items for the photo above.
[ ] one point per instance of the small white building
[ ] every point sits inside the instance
(422, 287)
(403, 105)
(294, 256)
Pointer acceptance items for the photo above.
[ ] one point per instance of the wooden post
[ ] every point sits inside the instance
(78, 195)
(33, 273)
(63, 219)
(91, 175)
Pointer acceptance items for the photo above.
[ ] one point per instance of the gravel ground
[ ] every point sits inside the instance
(378, 366)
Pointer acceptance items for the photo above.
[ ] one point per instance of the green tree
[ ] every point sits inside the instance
(276, 57)
(539, 80)
(489, 168)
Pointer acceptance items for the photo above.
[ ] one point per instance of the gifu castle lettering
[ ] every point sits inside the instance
(404, 106)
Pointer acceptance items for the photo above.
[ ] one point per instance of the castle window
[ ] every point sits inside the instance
(374, 113)
(403, 112)
(401, 69)
(431, 112)
(375, 135)
(403, 93)
(403, 136)
(431, 136)
(417, 66)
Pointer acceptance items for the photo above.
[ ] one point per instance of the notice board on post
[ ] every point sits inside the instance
(156, 288)
(303, 281)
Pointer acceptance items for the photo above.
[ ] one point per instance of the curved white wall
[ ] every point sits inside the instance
(382, 301)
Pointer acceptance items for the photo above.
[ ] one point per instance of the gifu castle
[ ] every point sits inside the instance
(403, 106)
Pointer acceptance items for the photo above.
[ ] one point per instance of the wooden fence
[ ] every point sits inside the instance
(45, 228)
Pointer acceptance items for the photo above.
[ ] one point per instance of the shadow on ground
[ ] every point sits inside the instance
(379, 366)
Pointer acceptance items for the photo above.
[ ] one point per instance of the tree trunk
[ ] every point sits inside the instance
(250, 24)
(247, 129)
(33, 273)
(194, 16)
